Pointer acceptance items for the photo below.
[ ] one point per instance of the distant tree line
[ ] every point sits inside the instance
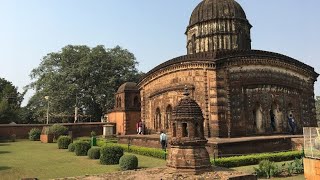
(76, 76)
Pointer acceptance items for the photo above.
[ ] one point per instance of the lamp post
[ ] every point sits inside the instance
(47, 98)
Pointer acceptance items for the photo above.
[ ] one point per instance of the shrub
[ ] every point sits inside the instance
(81, 148)
(94, 153)
(13, 137)
(71, 147)
(86, 139)
(128, 162)
(93, 134)
(57, 130)
(298, 166)
(110, 154)
(34, 134)
(256, 158)
(64, 141)
(267, 169)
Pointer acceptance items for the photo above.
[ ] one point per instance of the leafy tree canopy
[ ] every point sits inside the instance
(10, 101)
(88, 77)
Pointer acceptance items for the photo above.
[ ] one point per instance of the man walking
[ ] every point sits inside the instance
(163, 140)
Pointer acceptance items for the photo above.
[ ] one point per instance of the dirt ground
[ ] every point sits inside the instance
(160, 174)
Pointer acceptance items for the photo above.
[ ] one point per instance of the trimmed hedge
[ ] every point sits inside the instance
(64, 141)
(128, 162)
(152, 152)
(81, 148)
(110, 155)
(34, 134)
(94, 153)
(256, 158)
(71, 147)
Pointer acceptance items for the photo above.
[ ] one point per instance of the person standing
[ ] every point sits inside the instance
(163, 140)
(272, 120)
(292, 124)
(140, 127)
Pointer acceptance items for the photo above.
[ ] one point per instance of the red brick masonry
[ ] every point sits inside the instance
(78, 129)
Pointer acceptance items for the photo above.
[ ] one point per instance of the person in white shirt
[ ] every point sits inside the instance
(163, 140)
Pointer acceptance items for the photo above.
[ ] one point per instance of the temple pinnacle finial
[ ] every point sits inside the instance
(186, 91)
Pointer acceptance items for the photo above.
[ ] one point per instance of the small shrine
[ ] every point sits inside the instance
(188, 152)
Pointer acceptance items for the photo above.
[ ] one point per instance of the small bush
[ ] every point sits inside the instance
(256, 158)
(267, 169)
(57, 130)
(13, 137)
(110, 154)
(87, 139)
(71, 147)
(94, 153)
(34, 134)
(81, 148)
(64, 141)
(128, 162)
(298, 166)
(93, 134)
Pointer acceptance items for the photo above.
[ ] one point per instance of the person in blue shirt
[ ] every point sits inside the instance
(163, 140)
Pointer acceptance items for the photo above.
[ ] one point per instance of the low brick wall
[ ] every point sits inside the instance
(224, 149)
(140, 141)
(250, 147)
(78, 129)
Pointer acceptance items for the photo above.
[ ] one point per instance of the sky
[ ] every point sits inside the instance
(151, 29)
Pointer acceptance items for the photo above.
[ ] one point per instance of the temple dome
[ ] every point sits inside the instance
(216, 9)
(128, 86)
(218, 25)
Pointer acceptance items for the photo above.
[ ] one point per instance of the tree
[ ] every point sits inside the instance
(10, 101)
(88, 77)
(318, 108)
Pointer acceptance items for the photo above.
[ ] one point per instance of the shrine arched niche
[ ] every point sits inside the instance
(258, 117)
(157, 120)
(168, 116)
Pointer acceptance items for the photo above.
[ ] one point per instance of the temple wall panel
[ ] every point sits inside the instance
(258, 92)
(167, 89)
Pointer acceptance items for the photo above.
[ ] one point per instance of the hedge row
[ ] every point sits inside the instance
(256, 158)
(152, 152)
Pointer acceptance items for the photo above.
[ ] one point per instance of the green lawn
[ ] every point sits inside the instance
(249, 169)
(34, 159)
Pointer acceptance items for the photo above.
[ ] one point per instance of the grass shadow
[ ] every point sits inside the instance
(4, 144)
(4, 152)
(217, 168)
(4, 168)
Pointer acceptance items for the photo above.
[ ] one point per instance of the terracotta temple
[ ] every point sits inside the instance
(241, 91)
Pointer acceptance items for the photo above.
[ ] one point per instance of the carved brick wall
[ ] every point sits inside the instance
(228, 86)
(267, 85)
(166, 89)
